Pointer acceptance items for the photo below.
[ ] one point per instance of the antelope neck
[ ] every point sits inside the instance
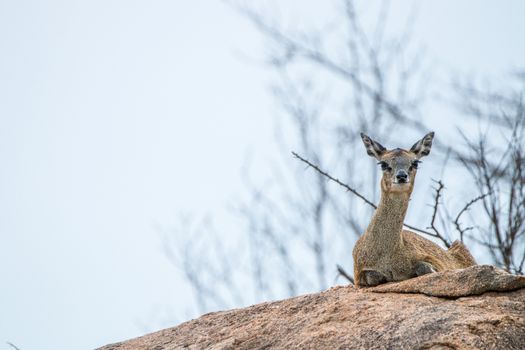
(387, 222)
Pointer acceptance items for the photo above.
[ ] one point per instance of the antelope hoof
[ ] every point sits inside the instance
(423, 268)
(373, 278)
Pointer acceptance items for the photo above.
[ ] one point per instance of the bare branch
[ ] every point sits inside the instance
(348, 188)
(343, 273)
(462, 211)
(13, 346)
(295, 48)
(354, 191)
(498, 170)
(432, 226)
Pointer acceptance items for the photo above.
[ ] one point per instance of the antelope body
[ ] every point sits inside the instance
(386, 252)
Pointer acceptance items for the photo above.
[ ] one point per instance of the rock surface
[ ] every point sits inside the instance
(442, 311)
(474, 280)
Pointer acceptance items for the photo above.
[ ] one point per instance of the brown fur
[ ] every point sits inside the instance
(393, 252)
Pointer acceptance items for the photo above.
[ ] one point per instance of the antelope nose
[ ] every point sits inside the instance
(402, 176)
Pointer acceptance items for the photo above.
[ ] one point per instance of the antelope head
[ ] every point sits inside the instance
(399, 166)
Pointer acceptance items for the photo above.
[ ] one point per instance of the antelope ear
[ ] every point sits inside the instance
(373, 148)
(423, 146)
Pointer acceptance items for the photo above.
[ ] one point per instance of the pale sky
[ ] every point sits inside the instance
(116, 116)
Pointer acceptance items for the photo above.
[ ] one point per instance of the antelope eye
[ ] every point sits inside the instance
(385, 166)
(415, 163)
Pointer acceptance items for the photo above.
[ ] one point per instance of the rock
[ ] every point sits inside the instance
(474, 280)
(383, 317)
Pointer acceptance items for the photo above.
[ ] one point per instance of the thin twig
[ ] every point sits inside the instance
(343, 273)
(13, 345)
(352, 190)
(462, 211)
(419, 230)
(348, 188)
(432, 226)
(519, 270)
